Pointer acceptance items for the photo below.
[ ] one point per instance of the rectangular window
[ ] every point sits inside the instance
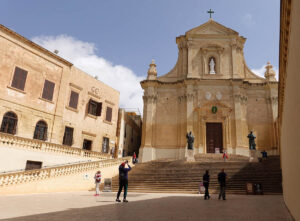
(73, 99)
(94, 108)
(48, 90)
(108, 114)
(33, 165)
(105, 145)
(19, 79)
(68, 136)
(87, 144)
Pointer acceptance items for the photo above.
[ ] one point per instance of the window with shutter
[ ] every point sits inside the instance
(92, 107)
(48, 90)
(108, 114)
(99, 109)
(105, 145)
(40, 131)
(73, 99)
(87, 144)
(19, 79)
(68, 136)
(9, 123)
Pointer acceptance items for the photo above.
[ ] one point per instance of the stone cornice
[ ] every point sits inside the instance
(197, 81)
(34, 45)
(285, 21)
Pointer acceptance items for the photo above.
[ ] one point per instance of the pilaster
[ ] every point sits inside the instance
(240, 113)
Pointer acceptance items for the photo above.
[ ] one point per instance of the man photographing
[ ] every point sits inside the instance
(123, 180)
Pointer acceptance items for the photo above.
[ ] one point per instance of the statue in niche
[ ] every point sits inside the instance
(212, 66)
(190, 140)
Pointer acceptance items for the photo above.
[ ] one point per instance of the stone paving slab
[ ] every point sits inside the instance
(151, 206)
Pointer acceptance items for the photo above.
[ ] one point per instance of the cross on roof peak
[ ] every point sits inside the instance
(210, 12)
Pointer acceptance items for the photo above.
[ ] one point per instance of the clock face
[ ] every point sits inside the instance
(207, 95)
(219, 95)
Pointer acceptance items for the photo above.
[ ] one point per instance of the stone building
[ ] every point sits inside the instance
(211, 92)
(289, 105)
(44, 97)
(129, 132)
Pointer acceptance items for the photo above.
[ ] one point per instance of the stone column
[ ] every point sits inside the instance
(272, 102)
(241, 126)
(189, 108)
(182, 125)
(234, 64)
(147, 149)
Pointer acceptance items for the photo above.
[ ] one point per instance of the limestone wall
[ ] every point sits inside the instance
(15, 159)
(241, 107)
(61, 179)
(290, 150)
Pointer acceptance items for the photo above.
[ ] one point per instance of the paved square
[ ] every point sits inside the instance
(153, 206)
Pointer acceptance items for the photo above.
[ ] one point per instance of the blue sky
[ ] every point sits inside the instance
(128, 34)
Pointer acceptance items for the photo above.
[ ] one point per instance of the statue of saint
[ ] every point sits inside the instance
(212, 66)
(190, 140)
(252, 145)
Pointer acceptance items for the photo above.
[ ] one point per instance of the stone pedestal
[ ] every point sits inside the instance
(253, 156)
(189, 155)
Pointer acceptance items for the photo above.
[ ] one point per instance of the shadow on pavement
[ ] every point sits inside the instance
(176, 208)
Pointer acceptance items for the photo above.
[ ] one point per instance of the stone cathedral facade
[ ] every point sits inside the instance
(211, 92)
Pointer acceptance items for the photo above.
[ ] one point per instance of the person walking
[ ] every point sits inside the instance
(222, 181)
(206, 184)
(97, 178)
(134, 158)
(123, 180)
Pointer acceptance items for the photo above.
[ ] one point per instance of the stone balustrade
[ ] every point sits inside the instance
(9, 140)
(46, 173)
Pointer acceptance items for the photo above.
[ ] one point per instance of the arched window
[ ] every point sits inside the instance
(40, 131)
(9, 123)
(212, 65)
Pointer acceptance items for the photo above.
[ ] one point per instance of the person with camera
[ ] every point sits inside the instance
(123, 180)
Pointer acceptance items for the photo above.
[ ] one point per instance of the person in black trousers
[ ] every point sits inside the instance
(206, 184)
(222, 181)
(123, 181)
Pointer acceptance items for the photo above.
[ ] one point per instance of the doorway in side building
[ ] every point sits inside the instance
(105, 145)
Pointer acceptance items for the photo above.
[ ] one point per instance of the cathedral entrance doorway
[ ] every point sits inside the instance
(214, 137)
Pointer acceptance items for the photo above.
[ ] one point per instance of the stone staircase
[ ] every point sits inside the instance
(184, 177)
(212, 157)
(10, 182)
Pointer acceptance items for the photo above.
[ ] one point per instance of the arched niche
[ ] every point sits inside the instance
(208, 53)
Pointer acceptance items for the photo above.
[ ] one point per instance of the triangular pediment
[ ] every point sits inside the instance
(212, 28)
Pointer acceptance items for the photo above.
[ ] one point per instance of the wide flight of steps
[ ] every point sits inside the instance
(172, 176)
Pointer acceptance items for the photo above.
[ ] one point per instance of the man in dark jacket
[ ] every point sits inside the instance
(222, 182)
(206, 184)
(123, 180)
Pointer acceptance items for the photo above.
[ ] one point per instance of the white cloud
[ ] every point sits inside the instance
(261, 71)
(83, 55)
(248, 19)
